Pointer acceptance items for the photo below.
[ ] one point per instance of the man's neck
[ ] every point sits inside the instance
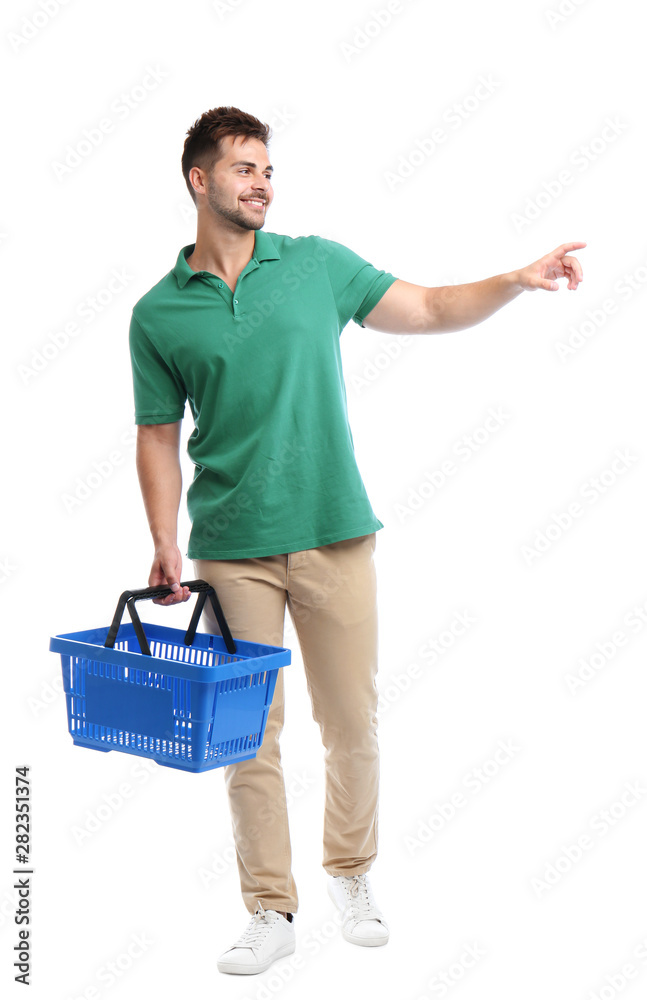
(222, 251)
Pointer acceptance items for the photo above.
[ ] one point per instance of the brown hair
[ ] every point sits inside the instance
(203, 140)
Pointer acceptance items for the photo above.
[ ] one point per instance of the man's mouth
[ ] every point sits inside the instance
(253, 201)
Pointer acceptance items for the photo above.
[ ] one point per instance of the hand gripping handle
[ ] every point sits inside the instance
(201, 587)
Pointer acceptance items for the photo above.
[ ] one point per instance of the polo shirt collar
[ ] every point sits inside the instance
(264, 249)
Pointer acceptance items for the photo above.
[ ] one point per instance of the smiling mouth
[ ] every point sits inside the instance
(254, 201)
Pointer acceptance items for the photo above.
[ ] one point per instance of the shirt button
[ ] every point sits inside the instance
(220, 284)
(236, 301)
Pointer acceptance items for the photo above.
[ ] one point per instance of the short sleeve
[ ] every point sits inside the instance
(357, 285)
(159, 394)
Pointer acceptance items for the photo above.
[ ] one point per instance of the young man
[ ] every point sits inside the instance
(246, 326)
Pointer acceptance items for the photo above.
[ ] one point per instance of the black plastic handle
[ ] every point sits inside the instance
(200, 587)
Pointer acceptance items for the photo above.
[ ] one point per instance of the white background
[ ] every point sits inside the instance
(349, 99)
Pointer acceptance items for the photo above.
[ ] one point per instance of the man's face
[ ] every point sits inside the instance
(239, 188)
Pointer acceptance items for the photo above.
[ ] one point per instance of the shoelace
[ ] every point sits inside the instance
(256, 930)
(361, 904)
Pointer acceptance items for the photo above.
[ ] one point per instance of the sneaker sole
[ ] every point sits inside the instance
(364, 942)
(249, 970)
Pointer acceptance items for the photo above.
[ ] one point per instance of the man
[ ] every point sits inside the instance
(246, 326)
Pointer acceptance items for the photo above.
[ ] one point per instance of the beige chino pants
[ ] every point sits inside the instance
(331, 594)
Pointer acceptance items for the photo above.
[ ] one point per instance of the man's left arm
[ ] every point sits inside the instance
(408, 308)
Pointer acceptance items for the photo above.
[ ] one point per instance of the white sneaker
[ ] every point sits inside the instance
(362, 922)
(268, 936)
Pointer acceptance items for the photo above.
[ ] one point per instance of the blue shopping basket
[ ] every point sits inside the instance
(190, 700)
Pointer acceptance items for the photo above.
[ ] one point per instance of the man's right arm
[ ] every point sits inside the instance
(160, 480)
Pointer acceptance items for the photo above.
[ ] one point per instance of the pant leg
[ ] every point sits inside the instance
(332, 599)
(253, 597)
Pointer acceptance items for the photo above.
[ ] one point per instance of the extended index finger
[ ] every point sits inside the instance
(566, 247)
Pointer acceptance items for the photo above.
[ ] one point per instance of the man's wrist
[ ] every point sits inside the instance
(513, 278)
(164, 540)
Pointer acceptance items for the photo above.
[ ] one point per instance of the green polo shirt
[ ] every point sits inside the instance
(275, 467)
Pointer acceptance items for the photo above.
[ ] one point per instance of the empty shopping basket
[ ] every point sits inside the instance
(190, 700)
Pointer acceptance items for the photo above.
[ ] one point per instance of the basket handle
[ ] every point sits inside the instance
(200, 587)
